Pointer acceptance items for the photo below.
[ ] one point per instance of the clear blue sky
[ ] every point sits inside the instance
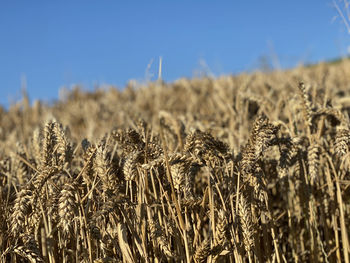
(95, 42)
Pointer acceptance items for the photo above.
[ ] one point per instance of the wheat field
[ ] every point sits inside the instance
(246, 168)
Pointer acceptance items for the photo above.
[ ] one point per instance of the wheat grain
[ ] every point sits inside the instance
(21, 210)
(66, 207)
(202, 252)
(342, 140)
(246, 224)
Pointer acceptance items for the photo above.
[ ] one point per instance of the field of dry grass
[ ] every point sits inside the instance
(247, 168)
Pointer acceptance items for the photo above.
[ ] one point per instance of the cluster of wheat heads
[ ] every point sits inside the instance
(252, 168)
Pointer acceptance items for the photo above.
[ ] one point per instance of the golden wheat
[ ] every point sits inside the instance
(234, 169)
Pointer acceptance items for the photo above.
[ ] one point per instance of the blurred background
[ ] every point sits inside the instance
(45, 46)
